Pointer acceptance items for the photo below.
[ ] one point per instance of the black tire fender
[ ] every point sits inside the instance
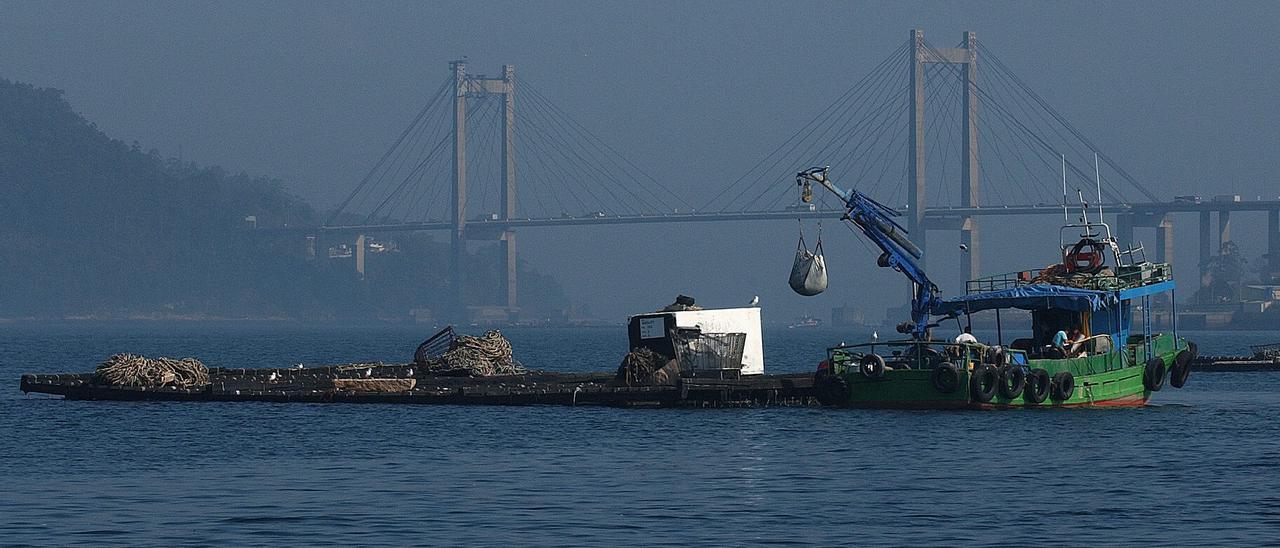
(945, 378)
(984, 381)
(1153, 374)
(1038, 385)
(1013, 380)
(831, 389)
(1063, 386)
(1181, 368)
(871, 366)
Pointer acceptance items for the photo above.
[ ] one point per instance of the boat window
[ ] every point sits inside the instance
(1047, 323)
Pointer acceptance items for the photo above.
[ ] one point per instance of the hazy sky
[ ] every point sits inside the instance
(1182, 94)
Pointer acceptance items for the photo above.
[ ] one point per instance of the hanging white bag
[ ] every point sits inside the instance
(809, 271)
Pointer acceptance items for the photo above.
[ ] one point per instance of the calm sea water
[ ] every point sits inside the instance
(1201, 466)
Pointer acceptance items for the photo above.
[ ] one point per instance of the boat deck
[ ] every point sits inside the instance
(403, 385)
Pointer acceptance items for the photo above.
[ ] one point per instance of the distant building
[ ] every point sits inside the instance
(847, 316)
(1258, 308)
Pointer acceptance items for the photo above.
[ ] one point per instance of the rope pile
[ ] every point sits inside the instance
(645, 367)
(478, 356)
(134, 370)
(1057, 274)
(637, 367)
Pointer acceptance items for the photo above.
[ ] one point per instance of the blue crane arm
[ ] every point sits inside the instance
(876, 222)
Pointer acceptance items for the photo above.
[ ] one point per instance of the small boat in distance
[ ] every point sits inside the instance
(806, 321)
(1093, 293)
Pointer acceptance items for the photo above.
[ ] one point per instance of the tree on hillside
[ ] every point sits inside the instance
(92, 226)
(1223, 275)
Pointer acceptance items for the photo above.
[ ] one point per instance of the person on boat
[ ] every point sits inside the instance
(1077, 349)
(966, 337)
(1060, 342)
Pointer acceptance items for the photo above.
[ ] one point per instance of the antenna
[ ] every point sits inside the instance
(1065, 219)
(1097, 179)
(1084, 209)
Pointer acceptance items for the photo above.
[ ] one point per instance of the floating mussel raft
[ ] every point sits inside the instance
(447, 369)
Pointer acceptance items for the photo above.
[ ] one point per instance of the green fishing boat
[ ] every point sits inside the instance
(1095, 292)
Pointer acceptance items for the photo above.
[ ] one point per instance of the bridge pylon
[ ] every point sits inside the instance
(966, 56)
(465, 86)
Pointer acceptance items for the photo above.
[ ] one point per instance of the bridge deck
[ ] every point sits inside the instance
(936, 213)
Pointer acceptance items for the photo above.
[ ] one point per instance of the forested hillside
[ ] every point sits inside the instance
(91, 226)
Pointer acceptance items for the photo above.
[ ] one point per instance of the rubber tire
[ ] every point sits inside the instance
(984, 382)
(1063, 386)
(1012, 390)
(945, 378)
(1181, 368)
(1038, 386)
(831, 389)
(1153, 374)
(872, 366)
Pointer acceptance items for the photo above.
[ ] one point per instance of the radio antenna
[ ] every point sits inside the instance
(1065, 217)
(1097, 179)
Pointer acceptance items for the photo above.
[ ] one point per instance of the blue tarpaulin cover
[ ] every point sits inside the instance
(1027, 297)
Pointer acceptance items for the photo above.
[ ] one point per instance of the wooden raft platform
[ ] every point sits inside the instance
(1233, 364)
(361, 385)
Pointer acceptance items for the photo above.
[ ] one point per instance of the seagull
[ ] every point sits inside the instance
(875, 335)
(273, 376)
(409, 373)
(368, 372)
(964, 247)
(299, 366)
(755, 301)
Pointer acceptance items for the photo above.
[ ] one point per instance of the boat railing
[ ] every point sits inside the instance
(907, 354)
(1266, 351)
(1107, 280)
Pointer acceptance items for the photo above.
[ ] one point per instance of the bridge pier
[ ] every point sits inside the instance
(1124, 229)
(1163, 224)
(1224, 228)
(359, 252)
(1164, 240)
(1204, 243)
(1273, 242)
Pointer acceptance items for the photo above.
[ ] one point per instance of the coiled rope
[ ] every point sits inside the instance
(134, 370)
(478, 356)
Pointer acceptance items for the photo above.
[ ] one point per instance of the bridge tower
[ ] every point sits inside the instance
(967, 57)
(466, 86)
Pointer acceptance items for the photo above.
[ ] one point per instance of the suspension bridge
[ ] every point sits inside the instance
(951, 133)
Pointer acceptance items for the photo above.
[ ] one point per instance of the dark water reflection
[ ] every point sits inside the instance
(1200, 466)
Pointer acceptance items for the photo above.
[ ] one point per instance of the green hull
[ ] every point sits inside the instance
(1113, 379)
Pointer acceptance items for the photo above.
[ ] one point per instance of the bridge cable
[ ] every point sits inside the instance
(1067, 123)
(418, 118)
(599, 142)
(805, 129)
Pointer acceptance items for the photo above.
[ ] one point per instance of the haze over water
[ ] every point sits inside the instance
(164, 105)
(693, 93)
(1197, 467)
